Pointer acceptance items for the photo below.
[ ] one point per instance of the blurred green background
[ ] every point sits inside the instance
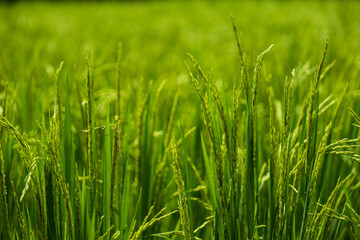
(156, 36)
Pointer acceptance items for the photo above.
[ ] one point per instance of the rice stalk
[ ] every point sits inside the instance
(251, 162)
(28, 179)
(29, 158)
(310, 117)
(311, 129)
(2, 173)
(90, 130)
(208, 120)
(19, 212)
(243, 231)
(235, 135)
(148, 223)
(57, 112)
(77, 203)
(52, 148)
(115, 151)
(22, 145)
(182, 202)
(207, 115)
(97, 232)
(319, 218)
(284, 161)
(242, 60)
(297, 171)
(317, 165)
(106, 233)
(217, 99)
(272, 166)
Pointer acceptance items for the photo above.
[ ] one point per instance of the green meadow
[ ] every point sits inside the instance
(180, 120)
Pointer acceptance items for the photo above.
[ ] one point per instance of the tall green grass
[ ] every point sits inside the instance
(117, 155)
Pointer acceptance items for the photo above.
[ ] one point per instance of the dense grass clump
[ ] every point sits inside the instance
(264, 145)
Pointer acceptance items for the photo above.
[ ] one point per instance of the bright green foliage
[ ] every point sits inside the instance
(242, 141)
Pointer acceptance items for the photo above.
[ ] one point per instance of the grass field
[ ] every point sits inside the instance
(153, 120)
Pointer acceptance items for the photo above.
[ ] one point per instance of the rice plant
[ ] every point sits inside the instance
(252, 148)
